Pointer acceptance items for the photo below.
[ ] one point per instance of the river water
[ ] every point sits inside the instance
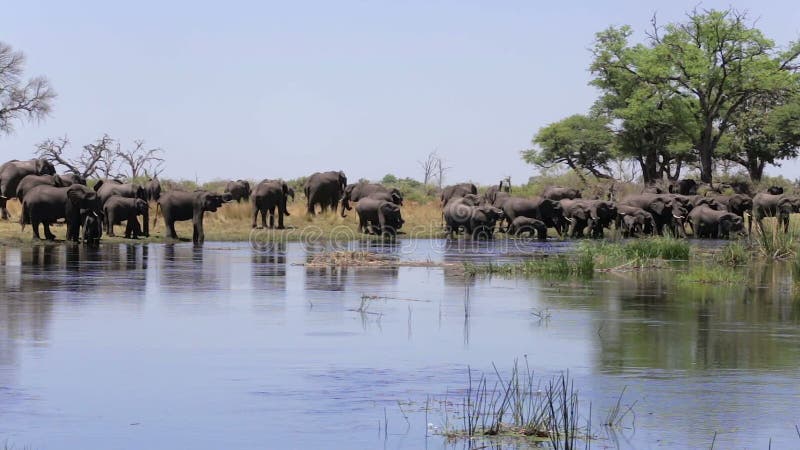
(229, 346)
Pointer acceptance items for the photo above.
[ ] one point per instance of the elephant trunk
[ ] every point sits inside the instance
(146, 221)
(345, 205)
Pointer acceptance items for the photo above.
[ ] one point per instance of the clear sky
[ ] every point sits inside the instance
(239, 89)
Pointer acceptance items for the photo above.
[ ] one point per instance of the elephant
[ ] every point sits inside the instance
(269, 196)
(457, 191)
(692, 201)
(739, 204)
(115, 187)
(239, 190)
(686, 186)
(46, 204)
(491, 193)
(324, 189)
(667, 211)
(379, 216)
(152, 190)
(548, 211)
(522, 225)
(357, 191)
(478, 220)
(118, 208)
(181, 205)
(12, 172)
(577, 214)
(770, 205)
(775, 190)
(707, 222)
(31, 181)
(92, 228)
(632, 221)
(72, 178)
(560, 193)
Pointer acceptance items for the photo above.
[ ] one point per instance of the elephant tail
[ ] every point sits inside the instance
(155, 218)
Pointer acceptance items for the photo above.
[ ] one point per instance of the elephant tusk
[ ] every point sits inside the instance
(569, 220)
(747, 213)
(677, 217)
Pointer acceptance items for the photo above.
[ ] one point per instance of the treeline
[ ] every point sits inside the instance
(709, 93)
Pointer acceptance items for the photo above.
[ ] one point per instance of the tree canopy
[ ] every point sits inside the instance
(21, 100)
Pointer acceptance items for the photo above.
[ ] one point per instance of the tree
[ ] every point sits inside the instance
(579, 142)
(21, 100)
(429, 167)
(97, 158)
(709, 67)
(766, 131)
(140, 160)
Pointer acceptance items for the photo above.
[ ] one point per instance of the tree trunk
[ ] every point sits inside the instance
(756, 170)
(706, 150)
(650, 168)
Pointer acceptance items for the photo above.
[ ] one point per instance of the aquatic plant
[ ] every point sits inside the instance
(559, 266)
(733, 254)
(773, 243)
(704, 273)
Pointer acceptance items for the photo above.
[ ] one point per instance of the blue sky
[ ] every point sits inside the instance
(265, 90)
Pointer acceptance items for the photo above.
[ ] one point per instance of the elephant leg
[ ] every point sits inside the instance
(271, 210)
(281, 212)
(35, 226)
(171, 228)
(3, 211)
(255, 215)
(198, 235)
(110, 218)
(47, 233)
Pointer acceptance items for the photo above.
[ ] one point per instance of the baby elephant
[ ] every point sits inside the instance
(378, 216)
(710, 223)
(119, 208)
(522, 225)
(92, 228)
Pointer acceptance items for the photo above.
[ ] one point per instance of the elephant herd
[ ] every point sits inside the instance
(647, 213)
(47, 198)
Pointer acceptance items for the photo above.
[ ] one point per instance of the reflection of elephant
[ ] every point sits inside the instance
(632, 221)
(324, 189)
(666, 210)
(780, 206)
(12, 172)
(707, 222)
(478, 220)
(47, 204)
(119, 208)
(546, 210)
(31, 181)
(560, 193)
(522, 225)
(239, 190)
(152, 190)
(114, 187)
(739, 204)
(357, 191)
(456, 191)
(378, 216)
(269, 196)
(180, 205)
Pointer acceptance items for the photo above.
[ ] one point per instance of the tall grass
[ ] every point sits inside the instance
(559, 266)
(734, 253)
(775, 244)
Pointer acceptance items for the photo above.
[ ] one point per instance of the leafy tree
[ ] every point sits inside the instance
(21, 100)
(580, 142)
(766, 131)
(707, 68)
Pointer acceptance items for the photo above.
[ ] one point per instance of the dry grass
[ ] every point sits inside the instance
(233, 223)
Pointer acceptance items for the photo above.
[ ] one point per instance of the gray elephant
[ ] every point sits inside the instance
(710, 223)
(180, 205)
(31, 181)
(239, 190)
(632, 221)
(324, 189)
(270, 195)
(666, 210)
(457, 191)
(491, 193)
(686, 186)
(92, 228)
(739, 204)
(152, 190)
(779, 206)
(12, 172)
(560, 193)
(117, 209)
(577, 214)
(522, 225)
(355, 192)
(379, 216)
(47, 204)
(775, 190)
(478, 220)
(115, 187)
(548, 211)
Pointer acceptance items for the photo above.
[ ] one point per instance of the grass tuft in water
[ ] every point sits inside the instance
(703, 273)
(775, 244)
(559, 266)
(733, 254)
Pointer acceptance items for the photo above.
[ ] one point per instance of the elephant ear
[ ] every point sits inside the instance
(658, 206)
(58, 182)
(76, 195)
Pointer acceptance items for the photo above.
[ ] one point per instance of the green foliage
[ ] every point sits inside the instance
(579, 142)
(733, 254)
(389, 178)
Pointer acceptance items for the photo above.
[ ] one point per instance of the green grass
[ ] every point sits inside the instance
(581, 266)
(775, 244)
(734, 253)
(711, 274)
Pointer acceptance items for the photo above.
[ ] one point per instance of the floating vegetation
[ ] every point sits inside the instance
(364, 259)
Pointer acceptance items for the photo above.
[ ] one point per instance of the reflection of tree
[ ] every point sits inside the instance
(653, 322)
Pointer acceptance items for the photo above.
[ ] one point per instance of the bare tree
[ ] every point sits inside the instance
(429, 166)
(21, 100)
(139, 160)
(441, 169)
(96, 158)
